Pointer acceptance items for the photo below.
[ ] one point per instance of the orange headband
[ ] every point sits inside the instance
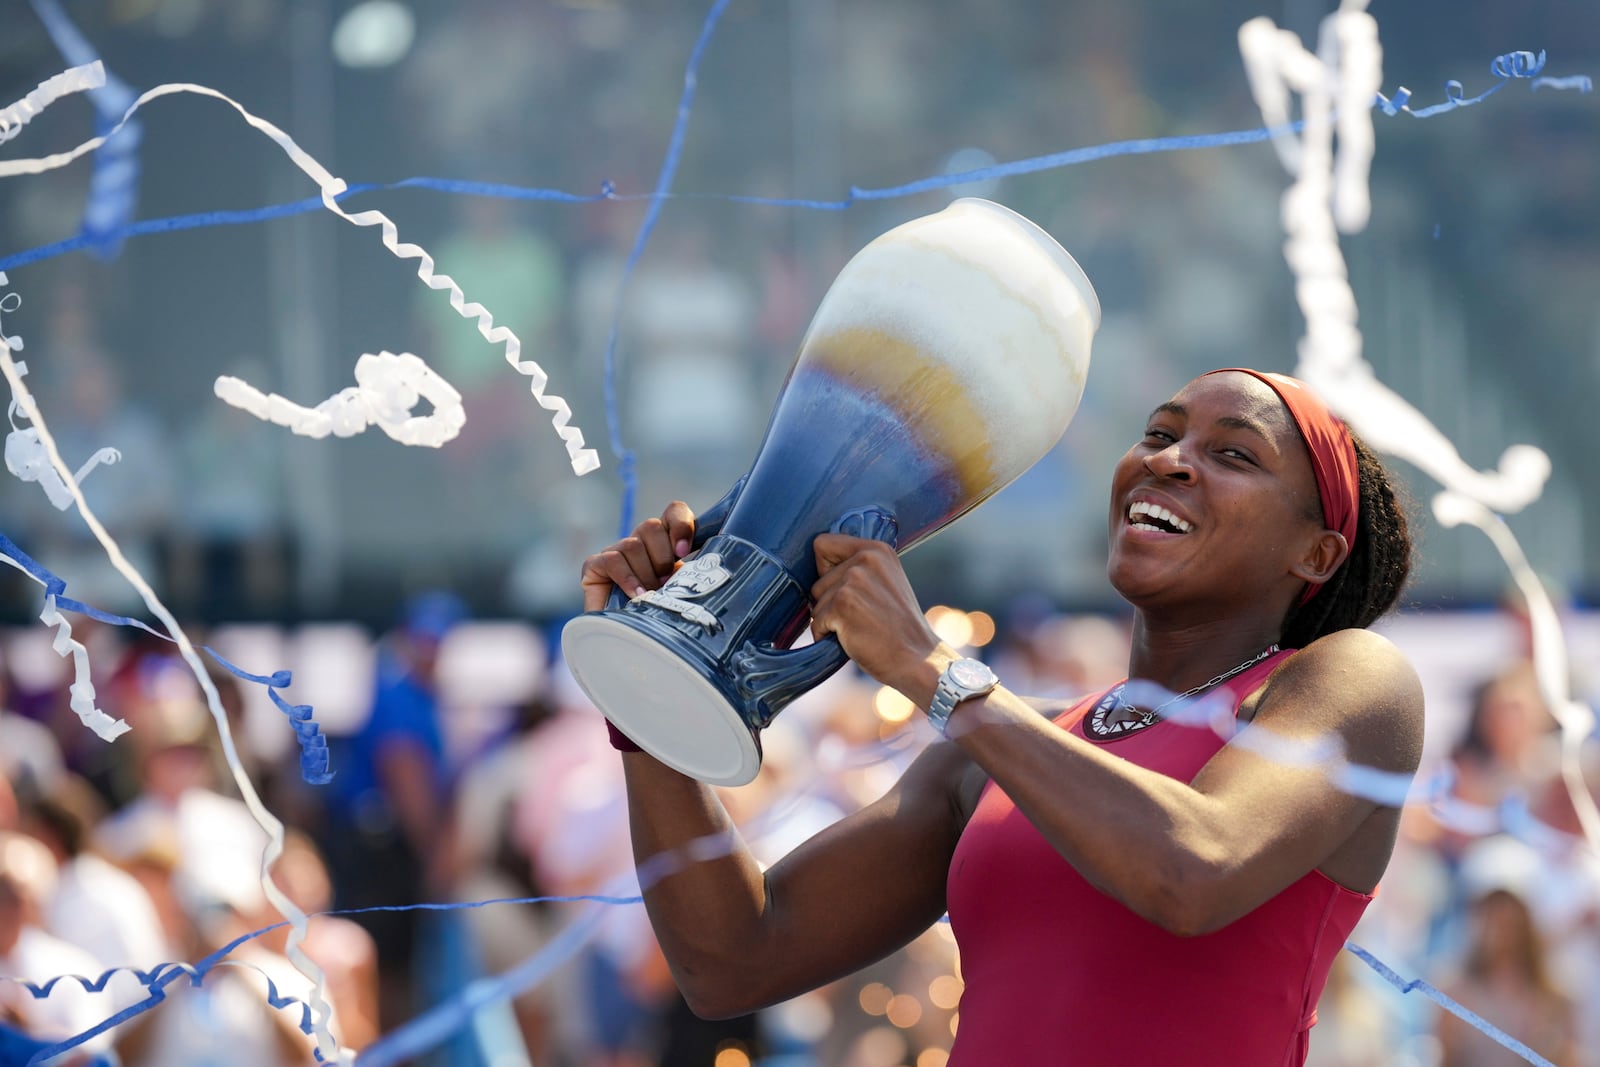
(1333, 454)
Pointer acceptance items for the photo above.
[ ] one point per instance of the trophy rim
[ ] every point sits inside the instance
(662, 702)
(1051, 246)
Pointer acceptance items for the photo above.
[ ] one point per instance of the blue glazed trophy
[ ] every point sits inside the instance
(946, 359)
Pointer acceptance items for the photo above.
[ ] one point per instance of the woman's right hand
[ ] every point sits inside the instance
(640, 561)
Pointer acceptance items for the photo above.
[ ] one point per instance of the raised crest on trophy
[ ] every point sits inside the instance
(947, 358)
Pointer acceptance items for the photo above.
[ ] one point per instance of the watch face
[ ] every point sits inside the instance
(970, 674)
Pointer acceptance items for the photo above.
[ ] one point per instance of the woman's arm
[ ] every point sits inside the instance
(1193, 857)
(1190, 857)
(736, 937)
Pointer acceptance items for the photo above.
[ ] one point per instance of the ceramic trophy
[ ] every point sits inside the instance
(947, 358)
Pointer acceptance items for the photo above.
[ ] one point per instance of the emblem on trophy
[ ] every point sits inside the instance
(947, 358)
(698, 576)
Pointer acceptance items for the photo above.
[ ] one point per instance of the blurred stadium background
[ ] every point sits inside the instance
(1476, 281)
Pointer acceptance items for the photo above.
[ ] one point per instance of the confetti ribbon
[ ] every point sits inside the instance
(387, 388)
(321, 1010)
(76, 80)
(583, 460)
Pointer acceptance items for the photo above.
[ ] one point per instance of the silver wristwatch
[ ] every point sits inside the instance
(962, 679)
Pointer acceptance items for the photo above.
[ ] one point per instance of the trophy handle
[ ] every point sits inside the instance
(706, 526)
(769, 677)
(708, 522)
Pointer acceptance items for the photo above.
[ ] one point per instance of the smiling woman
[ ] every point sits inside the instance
(1256, 539)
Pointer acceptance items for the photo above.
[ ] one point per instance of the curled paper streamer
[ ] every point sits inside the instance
(75, 80)
(155, 981)
(1328, 195)
(1508, 67)
(81, 692)
(583, 460)
(25, 454)
(1330, 353)
(314, 759)
(321, 1010)
(387, 388)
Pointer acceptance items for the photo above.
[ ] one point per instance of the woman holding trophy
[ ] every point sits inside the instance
(1124, 887)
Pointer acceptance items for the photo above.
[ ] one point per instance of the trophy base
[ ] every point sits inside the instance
(660, 701)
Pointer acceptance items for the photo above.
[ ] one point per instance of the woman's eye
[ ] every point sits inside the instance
(1157, 434)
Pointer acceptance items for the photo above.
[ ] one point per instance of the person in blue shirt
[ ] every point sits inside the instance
(387, 807)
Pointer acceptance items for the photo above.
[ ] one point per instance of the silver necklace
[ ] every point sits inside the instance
(1108, 720)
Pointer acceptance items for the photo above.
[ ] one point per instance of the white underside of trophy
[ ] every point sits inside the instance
(660, 701)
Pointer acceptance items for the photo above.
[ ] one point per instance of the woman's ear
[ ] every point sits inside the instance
(1325, 555)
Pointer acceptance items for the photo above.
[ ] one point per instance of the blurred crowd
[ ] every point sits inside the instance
(460, 780)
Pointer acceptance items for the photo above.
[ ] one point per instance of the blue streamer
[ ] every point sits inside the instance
(114, 182)
(1507, 68)
(1465, 1014)
(430, 1029)
(1515, 64)
(313, 745)
(439, 1022)
(669, 168)
(157, 978)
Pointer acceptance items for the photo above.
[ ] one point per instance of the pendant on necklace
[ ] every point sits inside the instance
(1112, 719)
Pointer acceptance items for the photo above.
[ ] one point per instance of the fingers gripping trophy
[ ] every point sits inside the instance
(946, 359)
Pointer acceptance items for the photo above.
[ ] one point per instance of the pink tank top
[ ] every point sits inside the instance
(1058, 973)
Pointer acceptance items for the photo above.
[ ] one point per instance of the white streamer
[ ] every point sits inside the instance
(583, 460)
(25, 455)
(73, 80)
(387, 388)
(83, 694)
(1324, 199)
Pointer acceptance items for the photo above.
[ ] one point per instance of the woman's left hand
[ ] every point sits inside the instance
(865, 600)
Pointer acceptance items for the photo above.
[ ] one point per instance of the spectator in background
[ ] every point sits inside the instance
(97, 906)
(1567, 904)
(30, 756)
(1502, 756)
(1505, 981)
(570, 821)
(28, 952)
(180, 813)
(493, 866)
(339, 947)
(1501, 752)
(387, 811)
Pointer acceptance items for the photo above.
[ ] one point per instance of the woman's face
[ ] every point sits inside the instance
(1217, 499)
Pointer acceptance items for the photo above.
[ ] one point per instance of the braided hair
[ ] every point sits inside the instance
(1369, 582)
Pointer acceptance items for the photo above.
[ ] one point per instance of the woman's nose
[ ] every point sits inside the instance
(1170, 462)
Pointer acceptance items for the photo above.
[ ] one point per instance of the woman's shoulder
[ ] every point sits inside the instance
(1355, 649)
(1355, 683)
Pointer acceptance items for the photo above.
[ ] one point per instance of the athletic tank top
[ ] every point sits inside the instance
(1057, 973)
